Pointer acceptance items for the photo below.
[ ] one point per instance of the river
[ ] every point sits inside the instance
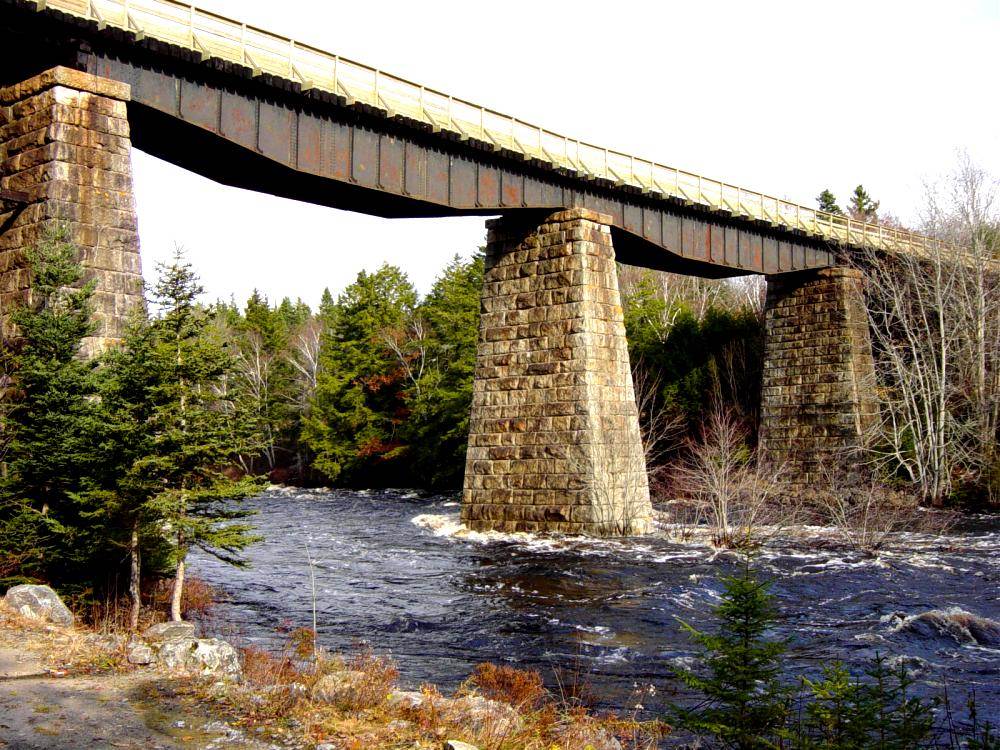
(391, 571)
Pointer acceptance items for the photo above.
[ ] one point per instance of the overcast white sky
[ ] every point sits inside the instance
(782, 97)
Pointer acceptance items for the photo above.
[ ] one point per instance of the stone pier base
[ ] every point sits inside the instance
(818, 399)
(554, 443)
(64, 141)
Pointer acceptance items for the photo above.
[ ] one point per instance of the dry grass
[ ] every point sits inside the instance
(520, 688)
(497, 708)
(197, 599)
(62, 651)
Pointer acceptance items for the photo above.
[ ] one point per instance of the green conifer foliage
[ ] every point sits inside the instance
(54, 422)
(828, 202)
(353, 424)
(862, 207)
(192, 442)
(438, 427)
(745, 704)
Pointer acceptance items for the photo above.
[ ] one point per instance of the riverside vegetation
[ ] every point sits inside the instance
(116, 467)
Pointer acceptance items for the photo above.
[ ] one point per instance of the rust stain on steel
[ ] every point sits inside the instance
(651, 226)
(438, 180)
(310, 139)
(390, 164)
(364, 164)
(415, 171)
(488, 187)
(339, 164)
(359, 149)
(239, 120)
(463, 183)
(199, 105)
(632, 219)
(274, 137)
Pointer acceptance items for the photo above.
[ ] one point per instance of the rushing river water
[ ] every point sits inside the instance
(391, 571)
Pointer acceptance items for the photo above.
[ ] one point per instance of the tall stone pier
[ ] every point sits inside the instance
(64, 142)
(818, 397)
(554, 442)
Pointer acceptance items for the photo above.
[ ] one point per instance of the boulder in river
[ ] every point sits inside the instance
(38, 603)
(961, 626)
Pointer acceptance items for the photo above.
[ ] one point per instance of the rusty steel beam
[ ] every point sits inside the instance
(266, 134)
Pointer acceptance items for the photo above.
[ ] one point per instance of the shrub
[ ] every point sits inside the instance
(520, 688)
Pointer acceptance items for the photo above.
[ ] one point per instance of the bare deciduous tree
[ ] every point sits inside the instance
(661, 429)
(409, 344)
(935, 324)
(303, 356)
(254, 365)
(739, 494)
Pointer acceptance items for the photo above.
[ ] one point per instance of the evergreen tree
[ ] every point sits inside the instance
(191, 441)
(438, 427)
(130, 378)
(828, 202)
(54, 421)
(745, 704)
(862, 207)
(358, 407)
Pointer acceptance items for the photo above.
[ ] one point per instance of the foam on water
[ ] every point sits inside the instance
(399, 570)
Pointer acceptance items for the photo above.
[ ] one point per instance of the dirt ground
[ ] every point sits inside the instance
(46, 705)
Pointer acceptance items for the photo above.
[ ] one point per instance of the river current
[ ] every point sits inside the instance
(394, 569)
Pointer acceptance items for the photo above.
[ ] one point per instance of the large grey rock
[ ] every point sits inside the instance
(456, 745)
(38, 603)
(590, 737)
(207, 656)
(139, 653)
(957, 624)
(406, 699)
(105, 641)
(481, 714)
(169, 631)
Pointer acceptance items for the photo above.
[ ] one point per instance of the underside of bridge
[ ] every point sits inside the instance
(554, 443)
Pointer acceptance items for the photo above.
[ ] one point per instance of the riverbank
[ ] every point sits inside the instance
(64, 687)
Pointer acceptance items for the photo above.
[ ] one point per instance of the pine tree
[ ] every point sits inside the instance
(353, 423)
(828, 202)
(54, 419)
(438, 426)
(191, 440)
(862, 207)
(745, 704)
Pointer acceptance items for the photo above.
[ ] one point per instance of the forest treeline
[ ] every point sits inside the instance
(374, 388)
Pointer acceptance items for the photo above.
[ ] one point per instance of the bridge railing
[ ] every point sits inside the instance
(215, 36)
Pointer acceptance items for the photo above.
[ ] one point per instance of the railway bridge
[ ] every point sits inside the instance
(554, 443)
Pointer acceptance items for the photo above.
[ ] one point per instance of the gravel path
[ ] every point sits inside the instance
(39, 711)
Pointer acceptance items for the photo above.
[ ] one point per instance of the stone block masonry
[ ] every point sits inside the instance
(554, 442)
(64, 140)
(818, 399)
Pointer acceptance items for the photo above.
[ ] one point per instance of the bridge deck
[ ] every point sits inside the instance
(214, 36)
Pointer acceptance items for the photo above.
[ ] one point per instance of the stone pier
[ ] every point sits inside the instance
(554, 442)
(818, 397)
(64, 141)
